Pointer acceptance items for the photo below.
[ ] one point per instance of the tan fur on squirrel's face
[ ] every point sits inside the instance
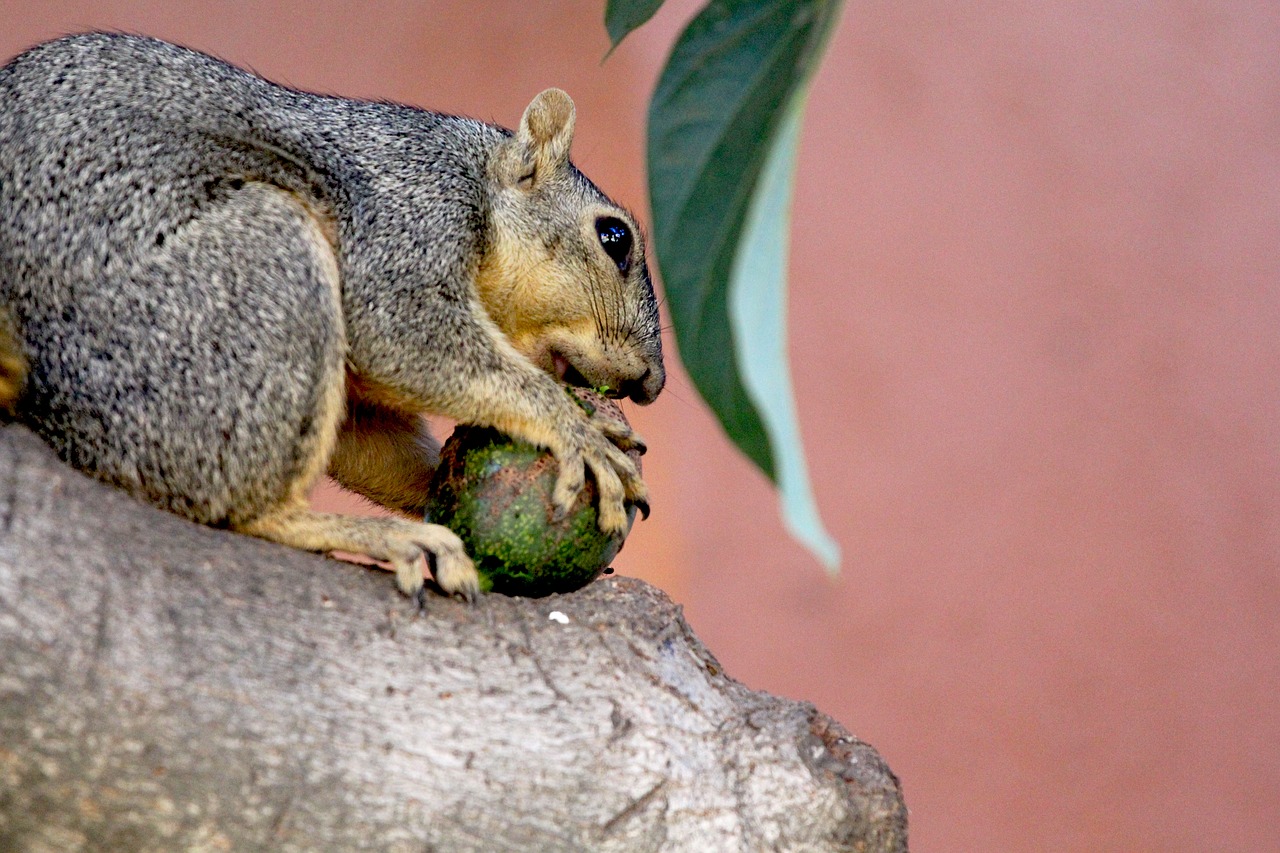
(564, 275)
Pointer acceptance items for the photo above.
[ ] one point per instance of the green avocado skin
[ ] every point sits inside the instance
(495, 493)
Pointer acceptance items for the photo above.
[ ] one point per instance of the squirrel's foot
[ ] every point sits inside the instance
(443, 550)
(433, 544)
(402, 543)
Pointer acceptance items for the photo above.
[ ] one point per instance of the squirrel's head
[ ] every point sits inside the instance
(564, 273)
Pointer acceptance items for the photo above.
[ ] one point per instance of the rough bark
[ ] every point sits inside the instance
(165, 686)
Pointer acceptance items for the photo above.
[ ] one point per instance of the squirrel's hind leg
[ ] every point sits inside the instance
(386, 455)
(406, 545)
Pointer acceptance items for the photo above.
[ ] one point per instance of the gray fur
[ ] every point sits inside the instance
(158, 253)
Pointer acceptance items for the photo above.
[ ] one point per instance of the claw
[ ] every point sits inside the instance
(622, 436)
(632, 442)
(643, 506)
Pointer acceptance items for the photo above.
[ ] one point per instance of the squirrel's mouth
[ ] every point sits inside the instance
(637, 389)
(566, 372)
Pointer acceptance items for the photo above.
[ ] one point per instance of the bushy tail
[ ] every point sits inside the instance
(13, 367)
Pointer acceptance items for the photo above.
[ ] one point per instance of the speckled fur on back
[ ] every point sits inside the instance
(204, 271)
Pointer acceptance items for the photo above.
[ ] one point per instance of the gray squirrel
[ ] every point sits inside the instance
(214, 290)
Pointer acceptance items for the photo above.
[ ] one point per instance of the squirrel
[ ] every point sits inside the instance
(215, 289)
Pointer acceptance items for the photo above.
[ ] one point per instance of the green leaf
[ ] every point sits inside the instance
(758, 315)
(728, 105)
(623, 16)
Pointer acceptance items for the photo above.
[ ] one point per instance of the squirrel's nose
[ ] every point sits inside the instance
(632, 388)
(643, 389)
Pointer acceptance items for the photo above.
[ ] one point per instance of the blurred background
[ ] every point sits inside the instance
(1035, 310)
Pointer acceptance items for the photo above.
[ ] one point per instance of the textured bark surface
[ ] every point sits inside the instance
(165, 686)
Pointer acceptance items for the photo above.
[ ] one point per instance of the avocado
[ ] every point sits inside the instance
(495, 493)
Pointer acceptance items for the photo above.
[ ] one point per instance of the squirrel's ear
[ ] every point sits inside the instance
(542, 143)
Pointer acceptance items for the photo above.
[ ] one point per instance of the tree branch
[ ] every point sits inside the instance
(168, 686)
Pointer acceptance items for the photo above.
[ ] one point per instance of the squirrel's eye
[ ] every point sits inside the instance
(615, 236)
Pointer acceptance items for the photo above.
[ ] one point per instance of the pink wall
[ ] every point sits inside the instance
(1036, 324)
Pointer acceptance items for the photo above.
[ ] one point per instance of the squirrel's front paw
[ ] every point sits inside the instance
(617, 478)
(620, 433)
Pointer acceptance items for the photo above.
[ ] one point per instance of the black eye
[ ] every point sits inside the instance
(615, 236)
